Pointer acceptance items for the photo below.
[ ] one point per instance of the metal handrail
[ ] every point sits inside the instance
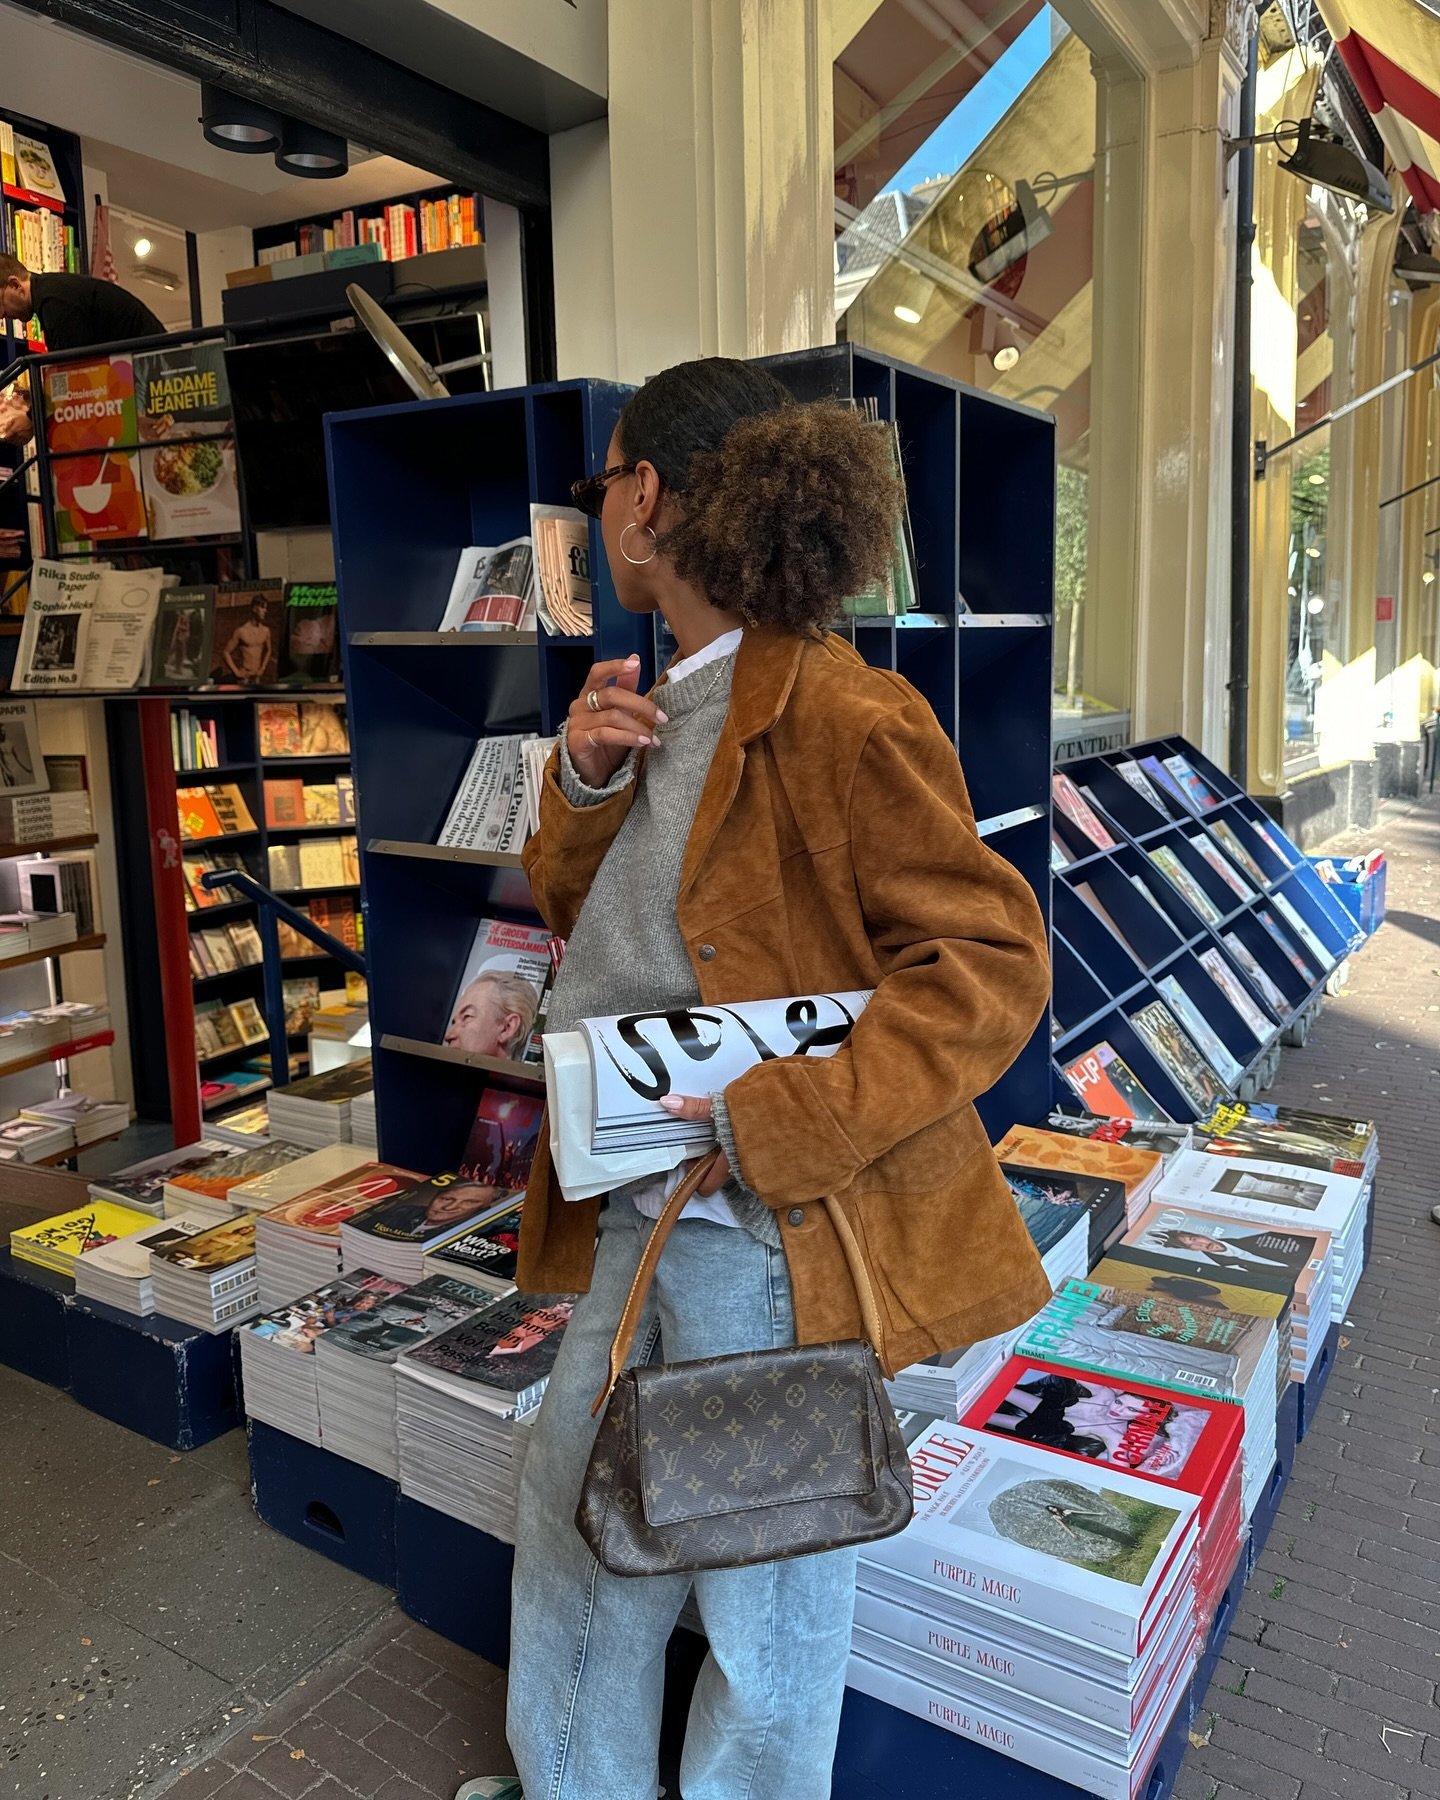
(272, 909)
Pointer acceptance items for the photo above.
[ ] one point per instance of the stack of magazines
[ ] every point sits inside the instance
(1171, 1344)
(362, 1120)
(1110, 1422)
(277, 1351)
(463, 1404)
(121, 1274)
(33, 1140)
(247, 1126)
(1035, 1604)
(208, 1280)
(59, 1243)
(1071, 1218)
(316, 1111)
(1129, 1161)
(299, 1240)
(141, 1186)
(87, 1118)
(562, 555)
(486, 1254)
(1282, 1194)
(1233, 1255)
(393, 1238)
(302, 1171)
(355, 1366)
(206, 1187)
(944, 1386)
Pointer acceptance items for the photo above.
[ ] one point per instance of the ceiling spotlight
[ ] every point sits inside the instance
(309, 151)
(143, 246)
(1312, 550)
(1005, 358)
(1316, 480)
(1315, 605)
(907, 315)
(231, 123)
(1417, 268)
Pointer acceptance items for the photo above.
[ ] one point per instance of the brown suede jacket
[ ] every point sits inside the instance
(834, 848)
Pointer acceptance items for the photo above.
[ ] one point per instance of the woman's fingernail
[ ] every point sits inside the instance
(672, 1103)
(631, 659)
(645, 741)
(664, 718)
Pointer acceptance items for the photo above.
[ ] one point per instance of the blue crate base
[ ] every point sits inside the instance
(344, 1511)
(1311, 1390)
(165, 1380)
(33, 1305)
(453, 1579)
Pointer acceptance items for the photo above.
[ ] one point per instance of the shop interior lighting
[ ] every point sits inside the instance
(231, 123)
(1319, 158)
(1312, 550)
(142, 246)
(307, 150)
(1005, 358)
(1316, 480)
(913, 308)
(1315, 604)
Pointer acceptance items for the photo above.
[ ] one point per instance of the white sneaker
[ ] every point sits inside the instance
(491, 1787)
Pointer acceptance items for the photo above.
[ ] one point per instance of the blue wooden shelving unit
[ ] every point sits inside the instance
(412, 485)
(1101, 980)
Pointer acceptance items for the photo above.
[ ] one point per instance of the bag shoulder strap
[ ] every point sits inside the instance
(660, 1232)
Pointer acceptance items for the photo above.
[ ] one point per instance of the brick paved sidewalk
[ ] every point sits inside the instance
(1328, 1685)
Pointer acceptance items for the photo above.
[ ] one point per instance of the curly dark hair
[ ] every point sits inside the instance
(785, 509)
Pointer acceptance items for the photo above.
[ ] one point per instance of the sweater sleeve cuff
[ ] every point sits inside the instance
(736, 1183)
(580, 793)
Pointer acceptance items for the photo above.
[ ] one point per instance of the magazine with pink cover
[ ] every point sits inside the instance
(1230, 985)
(1078, 810)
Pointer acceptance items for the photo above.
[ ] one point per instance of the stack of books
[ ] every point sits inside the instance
(206, 1187)
(1035, 1604)
(302, 1171)
(355, 1366)
(33, 1140)
(1288, 1134)
(464, 1402)
(486, 1255)
(944, 1386)
(31, 1032)
(1179, 1440)
(142, 1185)
(277, 1351)
(1281, 1194)
(299, 1240)
(45, 818)
(1233, 1256)
(121, 1273)
(1172, 1344)
(248, 1128)
(362, 1121)
(89, 1119)
(208, 1280)
(59, 1243)
(394, 1237)
(1119, 1157)
(28, 933)
(316, 1111)
(1071, 1218)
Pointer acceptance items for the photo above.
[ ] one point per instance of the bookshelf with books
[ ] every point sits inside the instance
(468, 469)
(408, 225)
(1191, 937)
(42, 205)
(232, 753)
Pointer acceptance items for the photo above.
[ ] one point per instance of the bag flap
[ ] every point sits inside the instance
(733, 1433)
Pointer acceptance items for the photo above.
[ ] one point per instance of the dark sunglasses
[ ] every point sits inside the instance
(589, 494)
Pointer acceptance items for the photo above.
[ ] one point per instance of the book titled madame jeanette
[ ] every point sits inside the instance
(1012, 1529)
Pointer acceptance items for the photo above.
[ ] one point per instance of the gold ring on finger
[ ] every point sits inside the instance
(592, 699)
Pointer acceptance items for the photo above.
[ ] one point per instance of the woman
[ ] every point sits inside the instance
(775, 819)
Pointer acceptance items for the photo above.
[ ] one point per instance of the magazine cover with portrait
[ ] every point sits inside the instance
(498, 996)
(1101, 1418)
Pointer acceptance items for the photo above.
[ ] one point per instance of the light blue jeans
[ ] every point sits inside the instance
(587, 1655)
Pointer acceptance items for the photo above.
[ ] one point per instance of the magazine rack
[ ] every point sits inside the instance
(1101, 980)
(413, 485)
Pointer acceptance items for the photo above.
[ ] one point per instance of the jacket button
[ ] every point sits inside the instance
(707, 953)
(795, 1216)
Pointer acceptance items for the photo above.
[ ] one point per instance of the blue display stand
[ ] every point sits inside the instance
(453, 1579)
(1311, 1390)
(33, 1304)
(165, 1380)
(334, 1506)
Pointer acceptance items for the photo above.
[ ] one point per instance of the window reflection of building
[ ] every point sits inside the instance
(968, 211)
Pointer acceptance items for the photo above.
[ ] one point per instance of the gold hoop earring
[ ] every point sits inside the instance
(637, 562)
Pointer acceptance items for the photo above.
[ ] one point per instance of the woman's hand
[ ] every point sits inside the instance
(600, 736)
(684, 1108)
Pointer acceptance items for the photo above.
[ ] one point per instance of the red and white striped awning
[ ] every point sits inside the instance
(1392, 51)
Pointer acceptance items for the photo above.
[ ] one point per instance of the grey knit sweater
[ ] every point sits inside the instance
(626, 953)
